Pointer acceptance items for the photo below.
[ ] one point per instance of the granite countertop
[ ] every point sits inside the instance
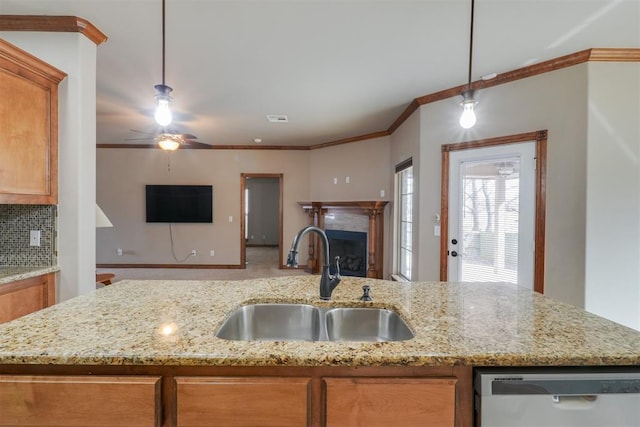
(12, 273)
(174, 323)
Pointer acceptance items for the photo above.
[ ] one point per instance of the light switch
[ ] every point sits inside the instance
(34, 238)
(230, 218)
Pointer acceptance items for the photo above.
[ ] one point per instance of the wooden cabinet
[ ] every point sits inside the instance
(28, 128)
(390, 401)
(242, 401)
(231, 396)
(79, 400)
(26, 296)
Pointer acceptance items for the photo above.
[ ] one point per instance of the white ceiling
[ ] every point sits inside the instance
(336, 68)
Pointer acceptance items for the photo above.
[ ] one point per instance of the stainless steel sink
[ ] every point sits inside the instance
(366, 324)
(272, 322)
(303, 322)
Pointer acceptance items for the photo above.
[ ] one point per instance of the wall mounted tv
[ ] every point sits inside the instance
(179, 203)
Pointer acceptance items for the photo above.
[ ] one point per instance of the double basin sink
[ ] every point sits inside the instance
(305, 322)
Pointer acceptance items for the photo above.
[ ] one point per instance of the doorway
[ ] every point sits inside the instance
(493, 211)
(261, 220)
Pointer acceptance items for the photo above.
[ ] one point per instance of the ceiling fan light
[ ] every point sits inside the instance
(163, 114)
(168, 144)
(468, 117)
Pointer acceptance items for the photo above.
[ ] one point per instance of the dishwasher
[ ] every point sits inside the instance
(556, 398)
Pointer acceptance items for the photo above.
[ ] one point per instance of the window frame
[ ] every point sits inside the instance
(403, 243)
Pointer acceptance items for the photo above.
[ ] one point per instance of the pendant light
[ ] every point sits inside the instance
(468, 104)
(163, 112)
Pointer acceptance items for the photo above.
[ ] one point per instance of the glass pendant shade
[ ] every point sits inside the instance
(168, 144)
(163, 112)
(468, 117)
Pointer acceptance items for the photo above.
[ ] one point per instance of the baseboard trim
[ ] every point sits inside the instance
(190, 266)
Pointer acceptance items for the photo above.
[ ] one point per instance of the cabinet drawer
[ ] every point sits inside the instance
(242, 401)
(390, 401)
(85, 401)
(26, 296)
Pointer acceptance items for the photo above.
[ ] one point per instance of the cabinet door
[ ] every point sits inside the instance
(242, 401)
(390, 401)
(79, 400)
(26, 296)
(28, 128)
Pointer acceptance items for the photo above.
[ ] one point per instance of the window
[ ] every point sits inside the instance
(246, 214)
(404, 220)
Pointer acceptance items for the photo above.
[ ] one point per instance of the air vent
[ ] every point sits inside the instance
(277, 118)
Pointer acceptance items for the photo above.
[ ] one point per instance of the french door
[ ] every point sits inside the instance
(492, 214)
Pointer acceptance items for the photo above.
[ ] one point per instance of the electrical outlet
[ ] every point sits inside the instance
(119, 252)
(34, 238)
(194, 252)
(212, 252)
(347, 179)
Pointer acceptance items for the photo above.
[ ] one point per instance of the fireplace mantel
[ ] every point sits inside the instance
(375, 236)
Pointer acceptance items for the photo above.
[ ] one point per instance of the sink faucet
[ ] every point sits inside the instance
(328, 282)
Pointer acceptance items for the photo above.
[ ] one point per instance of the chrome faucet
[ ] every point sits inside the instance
(328, 282)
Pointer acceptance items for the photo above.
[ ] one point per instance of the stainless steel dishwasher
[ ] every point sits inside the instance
(556, 398)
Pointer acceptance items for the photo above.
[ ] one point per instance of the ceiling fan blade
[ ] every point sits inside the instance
(143, 132)
(198, 145)
(187, 136)
(139, 139)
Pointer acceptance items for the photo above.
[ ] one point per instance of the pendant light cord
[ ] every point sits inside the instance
(163, 48)
(470, 45)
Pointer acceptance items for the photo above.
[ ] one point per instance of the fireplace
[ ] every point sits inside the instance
(340, 216)
(351, 247)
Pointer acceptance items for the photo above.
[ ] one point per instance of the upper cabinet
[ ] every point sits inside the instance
(28, 128)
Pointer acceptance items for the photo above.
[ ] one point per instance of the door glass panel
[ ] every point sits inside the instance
(490, 196)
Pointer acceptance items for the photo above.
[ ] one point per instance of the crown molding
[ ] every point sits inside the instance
(595, 54)
(24, 60)
(56, 24)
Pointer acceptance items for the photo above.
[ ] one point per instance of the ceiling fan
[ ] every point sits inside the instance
(170, 139)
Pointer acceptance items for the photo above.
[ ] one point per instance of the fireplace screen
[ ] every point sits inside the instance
(351, 247)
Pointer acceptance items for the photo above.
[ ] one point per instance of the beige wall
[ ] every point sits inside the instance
(555, 101)
(264, 211)
(612, 279)
(366, 163)
(123, 173)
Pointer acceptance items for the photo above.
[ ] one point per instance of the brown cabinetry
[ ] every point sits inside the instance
(28, 128)
(26, 296)
(79, 400)
(230, 396)
(390, 401)
(242, 401)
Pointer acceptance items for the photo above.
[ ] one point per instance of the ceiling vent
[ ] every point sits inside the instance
(277, 118)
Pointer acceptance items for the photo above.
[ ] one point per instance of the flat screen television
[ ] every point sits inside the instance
(179, 203)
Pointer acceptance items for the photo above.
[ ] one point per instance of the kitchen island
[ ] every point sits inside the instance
(155, 341)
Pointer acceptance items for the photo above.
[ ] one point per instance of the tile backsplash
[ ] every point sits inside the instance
(16, 221)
